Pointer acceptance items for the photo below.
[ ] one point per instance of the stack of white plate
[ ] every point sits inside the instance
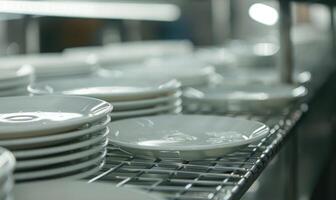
(7, 165)
(247, 98)
(49, 65)
(75, 190)
(132, 52)
(260, 76)
(129, 97)
(14, 80)
(54, 136)
(187, 137)
(189, 72)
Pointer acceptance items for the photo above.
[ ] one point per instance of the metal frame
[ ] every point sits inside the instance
(227, 177)
(286, 46)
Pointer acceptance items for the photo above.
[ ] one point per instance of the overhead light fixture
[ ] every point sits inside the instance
(97, 9)
(264, 14)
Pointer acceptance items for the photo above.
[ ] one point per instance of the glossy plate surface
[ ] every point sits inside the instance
(109, 89)
(49, 140)
(184, 136)
(23, 117)
(15, 76)
(145, 103)
(188, 72)
(61, 170)
(62, 158)
(157, 109)
(91, 140)
(246, 97)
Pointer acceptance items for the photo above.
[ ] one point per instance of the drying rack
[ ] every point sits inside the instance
(226, 178)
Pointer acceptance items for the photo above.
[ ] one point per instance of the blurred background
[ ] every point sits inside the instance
(211, 23)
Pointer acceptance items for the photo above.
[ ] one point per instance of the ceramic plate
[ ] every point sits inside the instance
(109, 89)
(62, 148)
(7, 163)
(23, 117)
(66, 157)
(50, 64)
(251, 97)
(188, 72)
(198, 137)
(84, 173)
(61, 170)
(15, 76)
(260, 75)
(132, 105)
(70, 190)
(158, 109)
(43, 141)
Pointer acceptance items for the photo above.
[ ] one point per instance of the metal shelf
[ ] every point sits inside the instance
(93, 9)
(227, 177)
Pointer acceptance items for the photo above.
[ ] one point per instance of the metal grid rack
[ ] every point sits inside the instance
(227, 177)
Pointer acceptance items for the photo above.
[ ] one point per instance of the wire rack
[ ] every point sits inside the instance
(226, 178)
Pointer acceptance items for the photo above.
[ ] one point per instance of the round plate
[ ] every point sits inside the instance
(23, 117)
(248, 97)
(109, 89)
(51, 64)
(43, 141)
(198, 137)
(74, 145)
(66, 157)
(259, 75)
(69, 190)
(189, 72)
(7, 163)
(14, 76)
(58, 171)
(84, 173)
(132, 105)
(157, 109)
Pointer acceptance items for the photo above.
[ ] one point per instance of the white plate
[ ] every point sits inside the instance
(42, 141)
(51, 64)
(70, 190)
(15, 76)
(61, 170)
(23, 117)
(109, 89)
(132, 105)
(67, 157)
(158, 109)
(7, 163)
(131, 52)
(188, 72)
(260, 75)
(85, 173)
(62, 148)
(251, 97)
(188, 137)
